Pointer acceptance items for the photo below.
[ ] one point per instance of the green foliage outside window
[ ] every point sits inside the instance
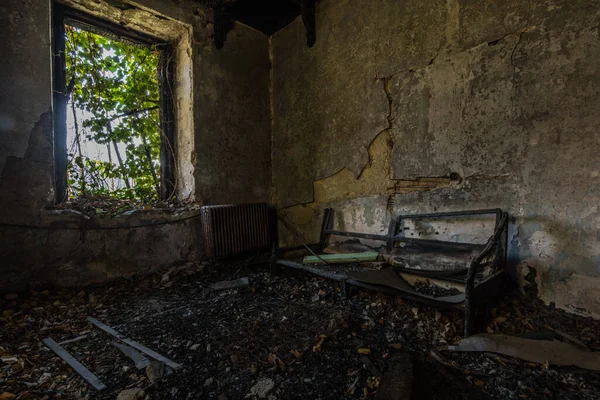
(116, 85)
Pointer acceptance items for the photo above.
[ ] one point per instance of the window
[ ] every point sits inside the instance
(113, 110)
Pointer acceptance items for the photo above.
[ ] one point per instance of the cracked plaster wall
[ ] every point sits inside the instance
(405, 106)
(225, 144)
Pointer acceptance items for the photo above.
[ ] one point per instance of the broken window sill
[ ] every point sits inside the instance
(73, 219)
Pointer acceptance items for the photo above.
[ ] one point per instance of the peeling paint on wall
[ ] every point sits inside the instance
(375, 178)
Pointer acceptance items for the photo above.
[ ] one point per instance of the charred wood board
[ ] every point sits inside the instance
(538, 351)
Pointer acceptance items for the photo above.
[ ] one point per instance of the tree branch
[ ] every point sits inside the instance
(118, 153)
(78, 141)
(133, 112)
(149, 157)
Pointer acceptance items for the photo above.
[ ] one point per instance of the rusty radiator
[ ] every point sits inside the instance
(235, 229)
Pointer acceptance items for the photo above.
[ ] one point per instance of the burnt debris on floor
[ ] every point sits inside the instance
(287, 336)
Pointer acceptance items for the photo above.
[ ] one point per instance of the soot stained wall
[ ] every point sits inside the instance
(224, 148)
(405, 106)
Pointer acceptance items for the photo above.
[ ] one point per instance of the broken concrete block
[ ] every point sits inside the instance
(131, 394)
(262, 388)
(155, 371)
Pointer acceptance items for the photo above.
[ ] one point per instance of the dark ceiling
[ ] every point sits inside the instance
(268, 16)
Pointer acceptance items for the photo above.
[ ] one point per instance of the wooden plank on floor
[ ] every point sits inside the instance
(134, 344)
(76, 365)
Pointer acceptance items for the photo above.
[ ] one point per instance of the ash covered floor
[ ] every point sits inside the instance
(284, 337)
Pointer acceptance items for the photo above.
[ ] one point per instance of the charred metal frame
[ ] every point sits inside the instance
(479, 296)
(62, 15)
(394, 231)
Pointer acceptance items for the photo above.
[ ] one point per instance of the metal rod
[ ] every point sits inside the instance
(76, 365)
(77, 339)
(286, 249)
(289, 228)
(438, 243)
(314, 271)
(324, 227)
(371, 236)
(474, 265)
(134, 344)
(450, 214)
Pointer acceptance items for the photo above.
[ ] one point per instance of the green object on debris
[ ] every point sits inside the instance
(342, 258)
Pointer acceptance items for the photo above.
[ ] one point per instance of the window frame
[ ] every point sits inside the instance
(61, 15)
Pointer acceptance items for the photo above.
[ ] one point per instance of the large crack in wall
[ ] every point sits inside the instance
(376, 177)
(346, 177)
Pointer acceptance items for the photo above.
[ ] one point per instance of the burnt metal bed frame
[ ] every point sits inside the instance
(479, 296)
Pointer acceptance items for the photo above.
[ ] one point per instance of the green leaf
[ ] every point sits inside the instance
(111, 78)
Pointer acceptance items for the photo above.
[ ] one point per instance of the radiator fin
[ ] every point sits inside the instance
(235, 229)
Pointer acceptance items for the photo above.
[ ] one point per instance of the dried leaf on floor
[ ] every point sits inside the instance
(317, 347)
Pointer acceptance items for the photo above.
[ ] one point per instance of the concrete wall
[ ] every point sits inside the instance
(233, 140)
(80, 251)
(405, 106)
(223, 146)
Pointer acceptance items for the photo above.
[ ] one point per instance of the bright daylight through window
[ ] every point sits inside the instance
(113, 116)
